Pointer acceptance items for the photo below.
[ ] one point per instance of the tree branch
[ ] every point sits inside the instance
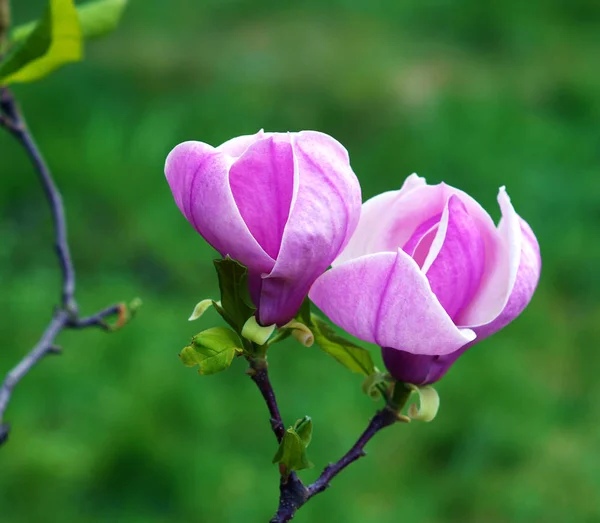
(293, 493)
(67, 315)
(18, 128)
(383, 418)
(260, 375)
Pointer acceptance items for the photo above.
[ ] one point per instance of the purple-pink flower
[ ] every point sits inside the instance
(427, 274)
(283, 204)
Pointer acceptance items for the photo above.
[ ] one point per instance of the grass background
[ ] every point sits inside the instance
(478, 94)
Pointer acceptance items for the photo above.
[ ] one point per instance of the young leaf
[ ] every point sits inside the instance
(373, 384)
(235, 298)
(96, 19)
(212, 350)
(291, 454)
(303, 428)
(347, 353)
(54, 41)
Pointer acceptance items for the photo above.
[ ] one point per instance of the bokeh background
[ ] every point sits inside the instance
(478, 94)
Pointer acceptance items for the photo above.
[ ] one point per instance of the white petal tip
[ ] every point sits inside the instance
(468, 334)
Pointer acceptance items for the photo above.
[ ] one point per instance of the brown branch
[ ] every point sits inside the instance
(293, 496)
(260, 376)
(67, 315)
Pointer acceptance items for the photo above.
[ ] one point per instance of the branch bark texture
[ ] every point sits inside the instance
(66, 315)
(293, 494)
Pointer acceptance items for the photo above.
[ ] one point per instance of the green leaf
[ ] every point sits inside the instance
(96, 19)
(54, 41)
(291, 454)
(212, 350)
(236, 305)
(347, 353)
(303, 428)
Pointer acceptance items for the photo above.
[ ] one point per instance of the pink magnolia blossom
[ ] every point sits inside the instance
(427, 274)
(283, 204)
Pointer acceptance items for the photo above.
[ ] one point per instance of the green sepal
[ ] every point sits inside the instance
(304, 312)
(291, 454)
(374, 383)
(53, 41)
(96, 18)
(236, 306)
(212, 350)
(256, 333)
(347, 353)
(303, 428)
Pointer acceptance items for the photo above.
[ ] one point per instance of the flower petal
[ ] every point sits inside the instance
(391, 220)
(525, 281)
(429, 369)
(385, 299)
(262, 183)
(324, 212)
(502, 264)
(238, 145)
(198, 176)
(422, 232)
(455, 263)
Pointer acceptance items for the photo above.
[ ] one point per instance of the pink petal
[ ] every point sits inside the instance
(198, 175)
(262, 183)
(502, 263)
(385, 299)
(424, 246)
(422, 231)
(238, 145)
(423, 370)
(525, 281)
(324, 212)
(391, 220)
(365, 239)
(455, 263)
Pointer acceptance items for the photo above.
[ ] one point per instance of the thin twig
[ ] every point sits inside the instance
(293, 494)
(21, 133)
(292, 497)
(98, 319)
(383, 418)
(260, 375)
(66, 316)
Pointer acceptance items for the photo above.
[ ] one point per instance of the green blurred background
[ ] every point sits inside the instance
(478, 94)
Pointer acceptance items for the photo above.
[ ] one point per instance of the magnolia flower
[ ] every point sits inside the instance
(427, 274)
(283, 204)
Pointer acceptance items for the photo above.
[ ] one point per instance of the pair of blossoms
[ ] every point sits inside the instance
(422, 271)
